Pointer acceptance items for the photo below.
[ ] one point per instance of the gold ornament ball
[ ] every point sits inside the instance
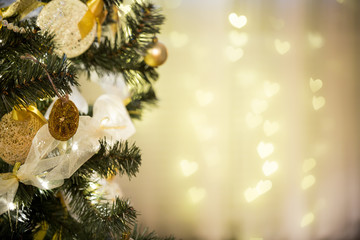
(156, 55)
(16, 137)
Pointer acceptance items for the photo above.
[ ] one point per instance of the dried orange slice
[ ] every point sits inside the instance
(63, 120)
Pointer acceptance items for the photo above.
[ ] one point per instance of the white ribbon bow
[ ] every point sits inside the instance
(50, 161)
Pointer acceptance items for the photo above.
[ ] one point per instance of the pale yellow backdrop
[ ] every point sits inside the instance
(256, 134)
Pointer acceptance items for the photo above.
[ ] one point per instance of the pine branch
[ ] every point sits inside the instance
(22, 82)
(146, 235)
(4, 167)
(43, 104)
(23, 228)
(138, 100)
(100, 220)
(27, 220)
(119, 158)
(131, 42)
(109, 3)
(50, 210)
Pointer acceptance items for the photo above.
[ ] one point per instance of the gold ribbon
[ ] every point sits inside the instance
(41, 233)
(1, 18)
(7, 176)
(22, 7)
(126, 101)
(95, 13)
(22, 113)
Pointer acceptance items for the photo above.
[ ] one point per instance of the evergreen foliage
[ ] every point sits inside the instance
(75, 210)
(22, 82)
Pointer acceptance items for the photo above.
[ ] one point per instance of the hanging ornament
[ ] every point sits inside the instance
(63, 120)
(64, 115)
(17, 130)
(76, 97)
(61, 17)
(156, 54)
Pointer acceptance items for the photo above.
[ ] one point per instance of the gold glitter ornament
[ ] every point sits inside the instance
(63, 120)
(16, 136)
(61, 17)
(156, 55)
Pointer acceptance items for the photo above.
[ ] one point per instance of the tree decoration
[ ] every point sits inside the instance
(67, 161)
(61, 17)
(95, 13)
(156, 54)
(64, 116)
(63, 120)
(1, 19)
(16, 135)
(49, 161)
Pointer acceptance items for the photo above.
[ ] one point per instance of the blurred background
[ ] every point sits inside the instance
(256, 134)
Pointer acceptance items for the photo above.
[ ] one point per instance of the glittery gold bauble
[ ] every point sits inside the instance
(16, 137)
(61, 17)
(156, 55)
(63, 120)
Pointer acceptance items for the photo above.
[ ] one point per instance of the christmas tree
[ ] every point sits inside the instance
(51, 166)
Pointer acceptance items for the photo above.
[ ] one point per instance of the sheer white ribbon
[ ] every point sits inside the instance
(50, 161)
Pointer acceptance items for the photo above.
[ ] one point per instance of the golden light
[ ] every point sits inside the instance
(253, 120)
(271, 88)
(282, 47)
(259, 99)
(238, 39)
(188, 167)
(251, 194)
(237, 21)
(204, 97)
(11, 206)
(308, 164)
(93, 186)
(261, 187)
(265, 149)
(315, 40)
(178, 40)
(44, 183)
(171, 4)
(315, 85)
(196, 194)
(270, 167)
(205, 132)
(258, 106)
(270, 128)
(318, 102)
(277, 23)
(307, 219)
(233, 54)
(246, 77)
(307, 182)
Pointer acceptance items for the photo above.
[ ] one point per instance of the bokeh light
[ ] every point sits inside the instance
(256, 132)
